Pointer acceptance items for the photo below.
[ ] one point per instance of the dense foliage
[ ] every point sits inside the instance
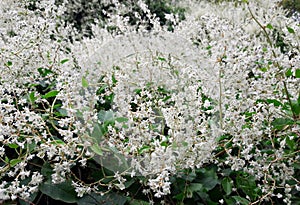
(149, 106)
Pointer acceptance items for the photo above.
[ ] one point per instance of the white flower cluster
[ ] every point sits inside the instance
(218, 78)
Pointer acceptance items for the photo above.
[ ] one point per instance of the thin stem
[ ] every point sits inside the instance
(276, 63)
(220, 99)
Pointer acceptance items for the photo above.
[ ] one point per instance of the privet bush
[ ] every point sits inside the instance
(84, 14)
(206, 114)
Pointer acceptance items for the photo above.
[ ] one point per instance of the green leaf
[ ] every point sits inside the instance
(248, 186)
(230, 201)
(14, 162)
(64, 61)
(106, 116)
(290, 30)
(62, 192)
(28, 201)
(269, 26)
(44, 71)
(291, 143)
(263, 69)
(227, 186)
(161, 59)
(50, 94)
(84, 82)
(297, 73)
(107, 199)
(184, 143)
(289, 73)
(164, 144)
(281, 123)
(13, 145)
(208, 177)
(241, 200)
(195, 187)
(31, 146)
(96, 149)
(145, 148)
(97, 133)
(58, 142)
(296, 107)
(296, 165)
(32, 97)
(9, 63)
(276, 103)
(63, 112)
(114, 80)
(137, 202)
(121, 119)
(47, 170)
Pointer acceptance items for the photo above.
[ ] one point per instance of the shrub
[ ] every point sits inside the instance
(208, 113)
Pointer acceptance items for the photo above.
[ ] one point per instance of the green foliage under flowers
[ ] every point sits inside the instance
(291, 5)
(208, 185)
(84, 14)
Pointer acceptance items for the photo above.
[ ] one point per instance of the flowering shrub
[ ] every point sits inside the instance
(206, 114)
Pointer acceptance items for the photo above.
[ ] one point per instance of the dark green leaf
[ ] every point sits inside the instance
(32, 97)
(281, 123)
(164, 144)
(291, 143)
(248, 186)
(145, 148)
(44, 72)
(107, 199)
(276, 103)
(31, 146)
(114, 80)
(269, 26)
(230, 201)
(27, 201)
(290, 30)
(50, 94)
(14, 162)
(297, 73)
(13, 145)
(296, 107)
(227, 186)
(194, 187)
(161, 59)
(263, 69)
(209, 178)
(9, 63)
(138, 91)
(241, 200)
(137, 202)
(289, 73)
(47, 170)
(64, 61)
(296, 165)
(62, 192)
